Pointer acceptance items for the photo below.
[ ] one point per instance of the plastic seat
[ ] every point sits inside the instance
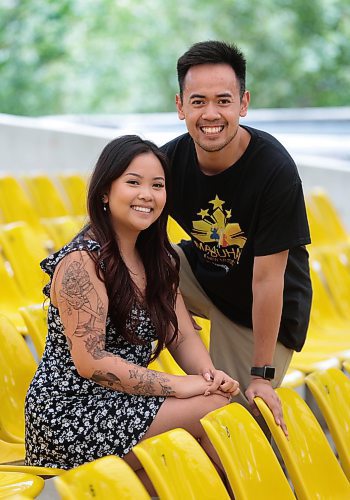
(10, 297)
(45, 196)
(32, 469)
(336, 270)
(307, 362)
(20, 210)
(293, 378)
(11, 452)
(75, 188)
(61, 229)
(309, 459)
(331, 390)
(169, 364)
(17, 368)
(16, 483)
(35, 318)
(179, 468)
(156, 365)
(246, 455)
(324, 211)
(106, 478)
(23, 251)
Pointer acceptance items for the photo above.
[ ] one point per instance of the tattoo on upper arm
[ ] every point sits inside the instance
(80, 295)
(146, 382)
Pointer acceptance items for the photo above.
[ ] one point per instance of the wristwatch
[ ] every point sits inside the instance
(267, 372)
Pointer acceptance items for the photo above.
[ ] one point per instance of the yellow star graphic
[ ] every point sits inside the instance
(203, 213)
(217, 203)
(228, 213)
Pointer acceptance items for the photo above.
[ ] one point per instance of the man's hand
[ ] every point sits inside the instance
(262, 388)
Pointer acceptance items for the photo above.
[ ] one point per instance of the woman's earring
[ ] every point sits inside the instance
(105, 207)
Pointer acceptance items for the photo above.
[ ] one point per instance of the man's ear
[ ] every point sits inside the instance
(180, 112)
(245, 103)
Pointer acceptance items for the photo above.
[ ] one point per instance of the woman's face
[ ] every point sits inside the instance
(136, 199)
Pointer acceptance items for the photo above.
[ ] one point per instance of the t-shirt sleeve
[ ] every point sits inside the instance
(282, 222)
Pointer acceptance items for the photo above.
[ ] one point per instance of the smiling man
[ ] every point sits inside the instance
(237, 193)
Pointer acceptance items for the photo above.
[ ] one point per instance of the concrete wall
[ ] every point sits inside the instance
(52, 145)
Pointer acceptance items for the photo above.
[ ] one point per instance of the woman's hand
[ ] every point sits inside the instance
(220, 381)
(187, 386)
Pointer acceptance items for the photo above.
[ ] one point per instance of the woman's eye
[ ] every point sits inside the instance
(132, 182)
(159, 185)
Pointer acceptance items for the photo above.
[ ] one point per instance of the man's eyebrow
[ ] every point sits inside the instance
(197, 96)
(200, 96)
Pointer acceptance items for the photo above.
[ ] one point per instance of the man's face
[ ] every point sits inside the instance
(211, 105)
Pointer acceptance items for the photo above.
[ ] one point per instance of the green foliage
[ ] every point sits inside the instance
(115, 56)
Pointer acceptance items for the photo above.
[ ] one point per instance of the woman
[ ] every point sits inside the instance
(113, 293)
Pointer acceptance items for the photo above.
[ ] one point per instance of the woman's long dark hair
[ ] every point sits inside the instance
(160, 260)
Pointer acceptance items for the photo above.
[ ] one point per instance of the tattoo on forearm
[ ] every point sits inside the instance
(147, 381)
(108, 379)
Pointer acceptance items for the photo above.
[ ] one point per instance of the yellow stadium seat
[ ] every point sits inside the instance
(16, 483)
(246, 455)
(32, 469)
(11, 452)
(106, 478)
(17, 368)
(10, 297)
(15, 206)
(22, 250)
(179, 468)
(293, 378)
(169, 364)
(75, 188)
(324, 212)
(331, 390)
(35, 318)
(45, 196)
(309, 459)
(62, 229)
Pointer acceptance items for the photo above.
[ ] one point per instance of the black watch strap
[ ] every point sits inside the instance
(267, 372)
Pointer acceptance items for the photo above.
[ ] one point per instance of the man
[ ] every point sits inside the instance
(237, 193)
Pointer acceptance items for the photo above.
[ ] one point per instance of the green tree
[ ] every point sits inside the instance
(115, 56)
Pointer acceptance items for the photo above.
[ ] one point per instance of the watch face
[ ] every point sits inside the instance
(269, 372)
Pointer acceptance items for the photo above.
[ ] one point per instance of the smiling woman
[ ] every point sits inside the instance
(113, 295)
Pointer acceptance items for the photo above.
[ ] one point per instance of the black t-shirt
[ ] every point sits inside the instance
(255, 207)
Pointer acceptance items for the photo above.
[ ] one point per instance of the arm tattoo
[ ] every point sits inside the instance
(80, 295)
(146, 382)
(108, 379)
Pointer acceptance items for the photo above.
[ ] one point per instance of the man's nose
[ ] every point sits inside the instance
(211, 112)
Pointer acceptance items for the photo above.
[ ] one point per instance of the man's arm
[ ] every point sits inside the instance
(267, 286)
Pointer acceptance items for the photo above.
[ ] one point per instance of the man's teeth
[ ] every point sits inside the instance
(142, 209)
(212, 130)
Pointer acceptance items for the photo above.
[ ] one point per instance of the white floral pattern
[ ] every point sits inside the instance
(71, 420)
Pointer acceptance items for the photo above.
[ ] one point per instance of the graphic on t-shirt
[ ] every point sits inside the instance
(220, 241)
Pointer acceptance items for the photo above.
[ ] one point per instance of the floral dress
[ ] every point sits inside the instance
(71, 420)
